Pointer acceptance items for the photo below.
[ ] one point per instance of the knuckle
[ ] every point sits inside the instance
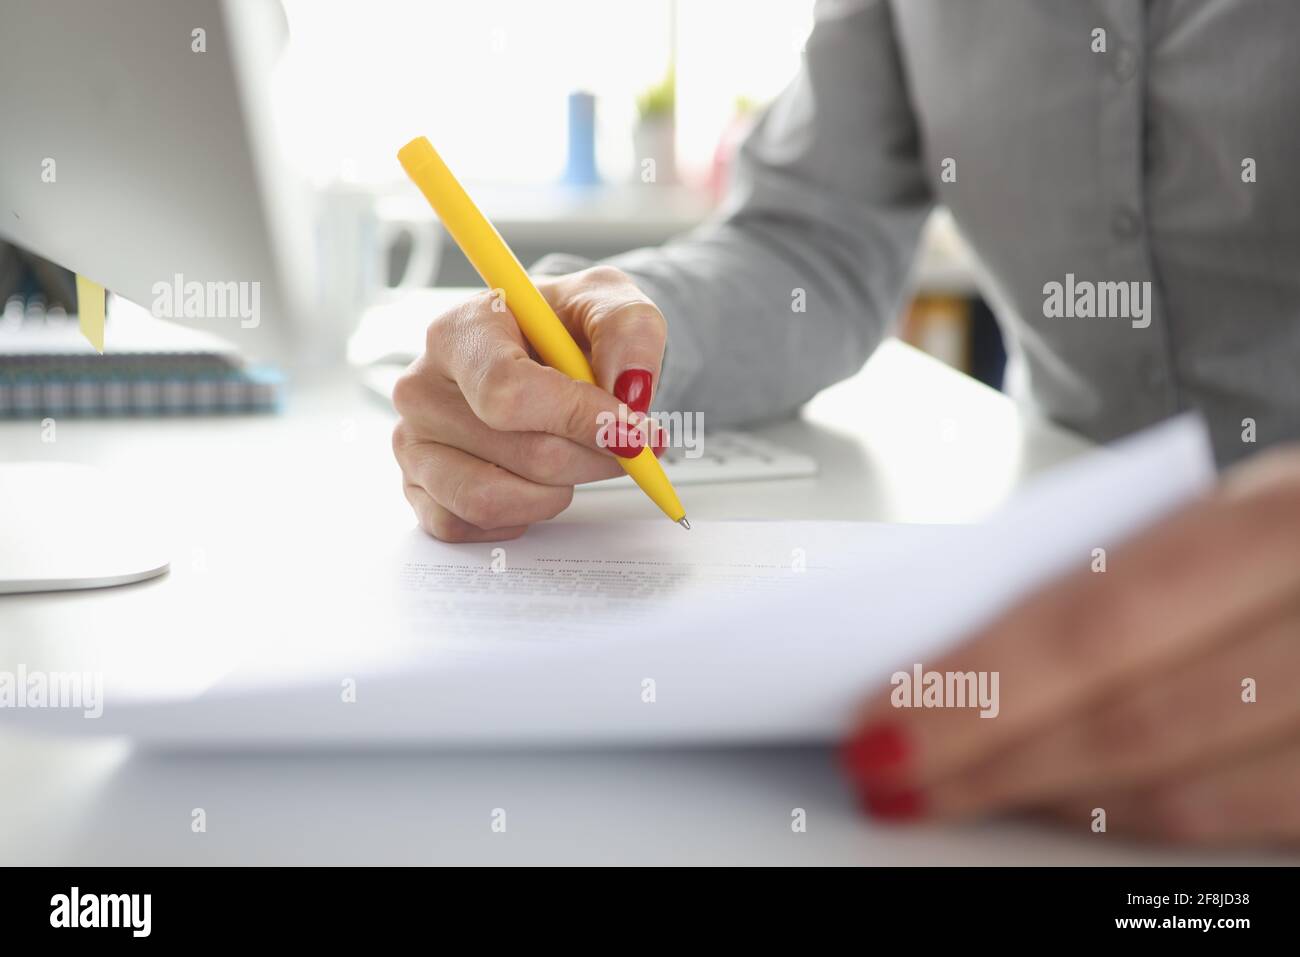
(427, 512)
(408, 391)
(604, 274)
(548, 456)
(445, 527)
(435, 336)
(640, 318)
(499, 395)
(563, 499)
(579, 421)
(403, 438)
(413, 495)
(451, 328)
(477, 502)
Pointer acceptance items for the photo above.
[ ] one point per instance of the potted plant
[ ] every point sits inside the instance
(654, 140)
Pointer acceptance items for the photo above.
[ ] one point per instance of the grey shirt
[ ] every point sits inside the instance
(1171, 157)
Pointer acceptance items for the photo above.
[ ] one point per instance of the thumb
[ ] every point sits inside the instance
(627, 352)
(624, 331)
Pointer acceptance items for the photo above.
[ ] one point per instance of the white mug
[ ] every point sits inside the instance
(356, 230)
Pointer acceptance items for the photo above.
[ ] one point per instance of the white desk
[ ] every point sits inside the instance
(265, 509)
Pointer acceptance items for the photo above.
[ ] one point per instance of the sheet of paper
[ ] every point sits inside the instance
(581, 585)
(642, 632)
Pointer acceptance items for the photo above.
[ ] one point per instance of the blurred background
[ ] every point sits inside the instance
(590, 128)
(593, 90)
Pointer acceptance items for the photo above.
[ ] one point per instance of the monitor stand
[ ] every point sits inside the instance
(65, 526)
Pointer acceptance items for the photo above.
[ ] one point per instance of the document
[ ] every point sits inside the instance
(581, 584)
(641, 632)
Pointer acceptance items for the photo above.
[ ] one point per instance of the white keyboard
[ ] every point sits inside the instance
(726, 456)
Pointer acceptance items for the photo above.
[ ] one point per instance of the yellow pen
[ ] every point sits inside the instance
(500, 269)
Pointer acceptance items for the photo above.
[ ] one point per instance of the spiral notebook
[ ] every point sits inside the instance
(149, 367)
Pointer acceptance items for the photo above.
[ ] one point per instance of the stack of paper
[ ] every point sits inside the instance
(640, 632)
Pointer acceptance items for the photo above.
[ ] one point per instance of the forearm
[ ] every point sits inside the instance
(763, 312)
(801, 274)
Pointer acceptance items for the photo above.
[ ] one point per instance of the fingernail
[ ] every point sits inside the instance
(896, 806)
(657, 438)
(878, 751)
(630, 438)
(633, 389)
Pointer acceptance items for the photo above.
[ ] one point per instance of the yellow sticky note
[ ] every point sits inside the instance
(90, 311)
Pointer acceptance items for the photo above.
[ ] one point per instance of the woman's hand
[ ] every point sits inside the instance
(491, 441)
(1164, 691)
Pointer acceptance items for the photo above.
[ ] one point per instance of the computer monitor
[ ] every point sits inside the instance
(136, 149)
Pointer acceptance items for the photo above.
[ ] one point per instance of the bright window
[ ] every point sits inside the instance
(488, 81)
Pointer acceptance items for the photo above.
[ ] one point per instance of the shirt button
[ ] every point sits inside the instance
(1125, 223)
(1125, 63)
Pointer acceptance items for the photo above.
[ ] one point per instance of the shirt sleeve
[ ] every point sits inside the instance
(795, 281)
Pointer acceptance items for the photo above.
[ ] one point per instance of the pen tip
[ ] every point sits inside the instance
(684, 524)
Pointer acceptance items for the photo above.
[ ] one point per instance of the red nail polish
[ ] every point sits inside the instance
(633, 389)
(879, 751)
(630, 439)
(897, 806)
